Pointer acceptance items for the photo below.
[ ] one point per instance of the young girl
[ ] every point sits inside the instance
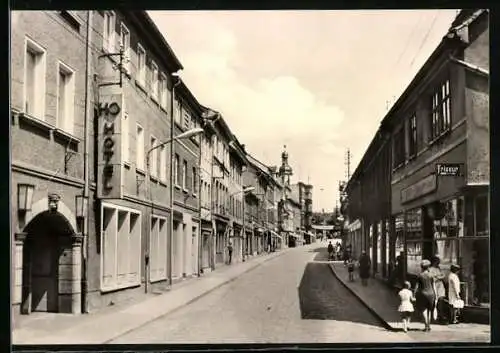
(350, 268)
(406, 306)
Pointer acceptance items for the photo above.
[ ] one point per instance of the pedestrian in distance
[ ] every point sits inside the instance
(456, 303)
(425, 294)
(406, 298)
(330, 251)
(364, 268)
(350, 268)
(230, 253)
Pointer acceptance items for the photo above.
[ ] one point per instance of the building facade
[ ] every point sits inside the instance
(437, 133)
(48, 109)
(186, 167)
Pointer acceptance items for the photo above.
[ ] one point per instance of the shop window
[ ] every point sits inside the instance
(481, 215)
(474, 273)
(121, 250)
(413, 256)
(158, 249)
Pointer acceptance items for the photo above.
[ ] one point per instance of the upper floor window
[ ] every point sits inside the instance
(141, 65)
(108, 36)
(186, 123)
(399, 147)
(184, 174)
(125, 45)
(65, 98)
(412, 134)
(140, 147)
(153, 160)
(71, 18)
(154, 80)
(176, 169)
(163, 163)
(163, 90)
(195, 183)
(177, 111)
(34, 79)
(441, 112)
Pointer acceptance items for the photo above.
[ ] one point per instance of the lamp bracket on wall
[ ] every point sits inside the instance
(116, 66)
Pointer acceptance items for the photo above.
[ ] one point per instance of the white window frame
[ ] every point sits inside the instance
(66, 116)
(155, 249)
(177, 112)
(40, 80)
(153, 157)
(108, 43)
(163, 163)
(139, 148)
(116, 286)
(154, 81)
(194, 185)
(186, 121)
(125, 137)
(176, 169)
(126, 46)
(163, 90)
(141, 69)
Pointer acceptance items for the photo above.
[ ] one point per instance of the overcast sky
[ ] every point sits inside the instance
(317, 81)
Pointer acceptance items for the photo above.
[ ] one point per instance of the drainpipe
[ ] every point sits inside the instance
(86, 143)
(172, 145)
(198, 182)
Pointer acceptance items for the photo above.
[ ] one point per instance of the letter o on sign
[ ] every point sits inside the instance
(108, 143)
(114, 108)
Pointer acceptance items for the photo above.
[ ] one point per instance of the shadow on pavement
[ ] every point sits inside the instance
(323, 297)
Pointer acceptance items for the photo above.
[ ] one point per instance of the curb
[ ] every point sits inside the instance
(171, 311)
(380, 318)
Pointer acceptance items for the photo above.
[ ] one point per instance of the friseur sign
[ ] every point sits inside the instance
(420, 188)
(449, 169)
(109, 113)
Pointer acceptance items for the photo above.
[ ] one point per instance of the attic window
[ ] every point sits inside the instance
(72, 19)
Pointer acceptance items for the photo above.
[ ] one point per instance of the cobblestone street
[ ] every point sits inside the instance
(286, 300)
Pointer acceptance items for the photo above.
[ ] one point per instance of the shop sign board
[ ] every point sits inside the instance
(449, 169)
(109, 180)
(420, 188)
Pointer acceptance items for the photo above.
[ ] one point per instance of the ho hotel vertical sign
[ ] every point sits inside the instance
(109, 115)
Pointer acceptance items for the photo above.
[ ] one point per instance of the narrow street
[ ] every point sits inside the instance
(291, 299)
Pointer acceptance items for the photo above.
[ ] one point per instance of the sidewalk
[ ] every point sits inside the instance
(105, 325)
(383, 302)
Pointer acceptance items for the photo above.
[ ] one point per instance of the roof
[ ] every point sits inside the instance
(186, 94)
(264, 169)
(155, 39)
(447, 44)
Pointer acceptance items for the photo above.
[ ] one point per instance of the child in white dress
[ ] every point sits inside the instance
(406, 306)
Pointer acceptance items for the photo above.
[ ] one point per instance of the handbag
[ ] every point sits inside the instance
(459, 304)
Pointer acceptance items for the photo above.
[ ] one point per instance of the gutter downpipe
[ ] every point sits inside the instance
(86, 191)
(172, 146)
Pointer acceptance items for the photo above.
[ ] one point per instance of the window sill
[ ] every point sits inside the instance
(155, 99)
(49, 129)
(153, 177)
(194, 195)
(140, 171)
(164, 109)
(439, 137)
(141, 86)
(155, 280)
(119, 287)
(178, 187)
(162, 182)
(66, 137)
(186, 191)
(127, 165)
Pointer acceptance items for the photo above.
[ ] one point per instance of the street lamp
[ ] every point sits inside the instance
(184, 135)
(25, 197)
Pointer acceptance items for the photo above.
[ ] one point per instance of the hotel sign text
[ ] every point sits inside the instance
(109, 115)
(449, 169)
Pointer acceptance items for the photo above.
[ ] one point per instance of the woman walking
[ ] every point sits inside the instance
(439, 313)
(425, 294)
(364, 268)
(456, 303)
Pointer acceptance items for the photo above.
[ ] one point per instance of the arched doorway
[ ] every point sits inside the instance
(49, 266)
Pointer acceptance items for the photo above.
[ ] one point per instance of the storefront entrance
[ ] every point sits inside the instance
(51, 265)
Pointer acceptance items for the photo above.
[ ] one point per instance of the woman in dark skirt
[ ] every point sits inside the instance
(364, 268)
(425, 294)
